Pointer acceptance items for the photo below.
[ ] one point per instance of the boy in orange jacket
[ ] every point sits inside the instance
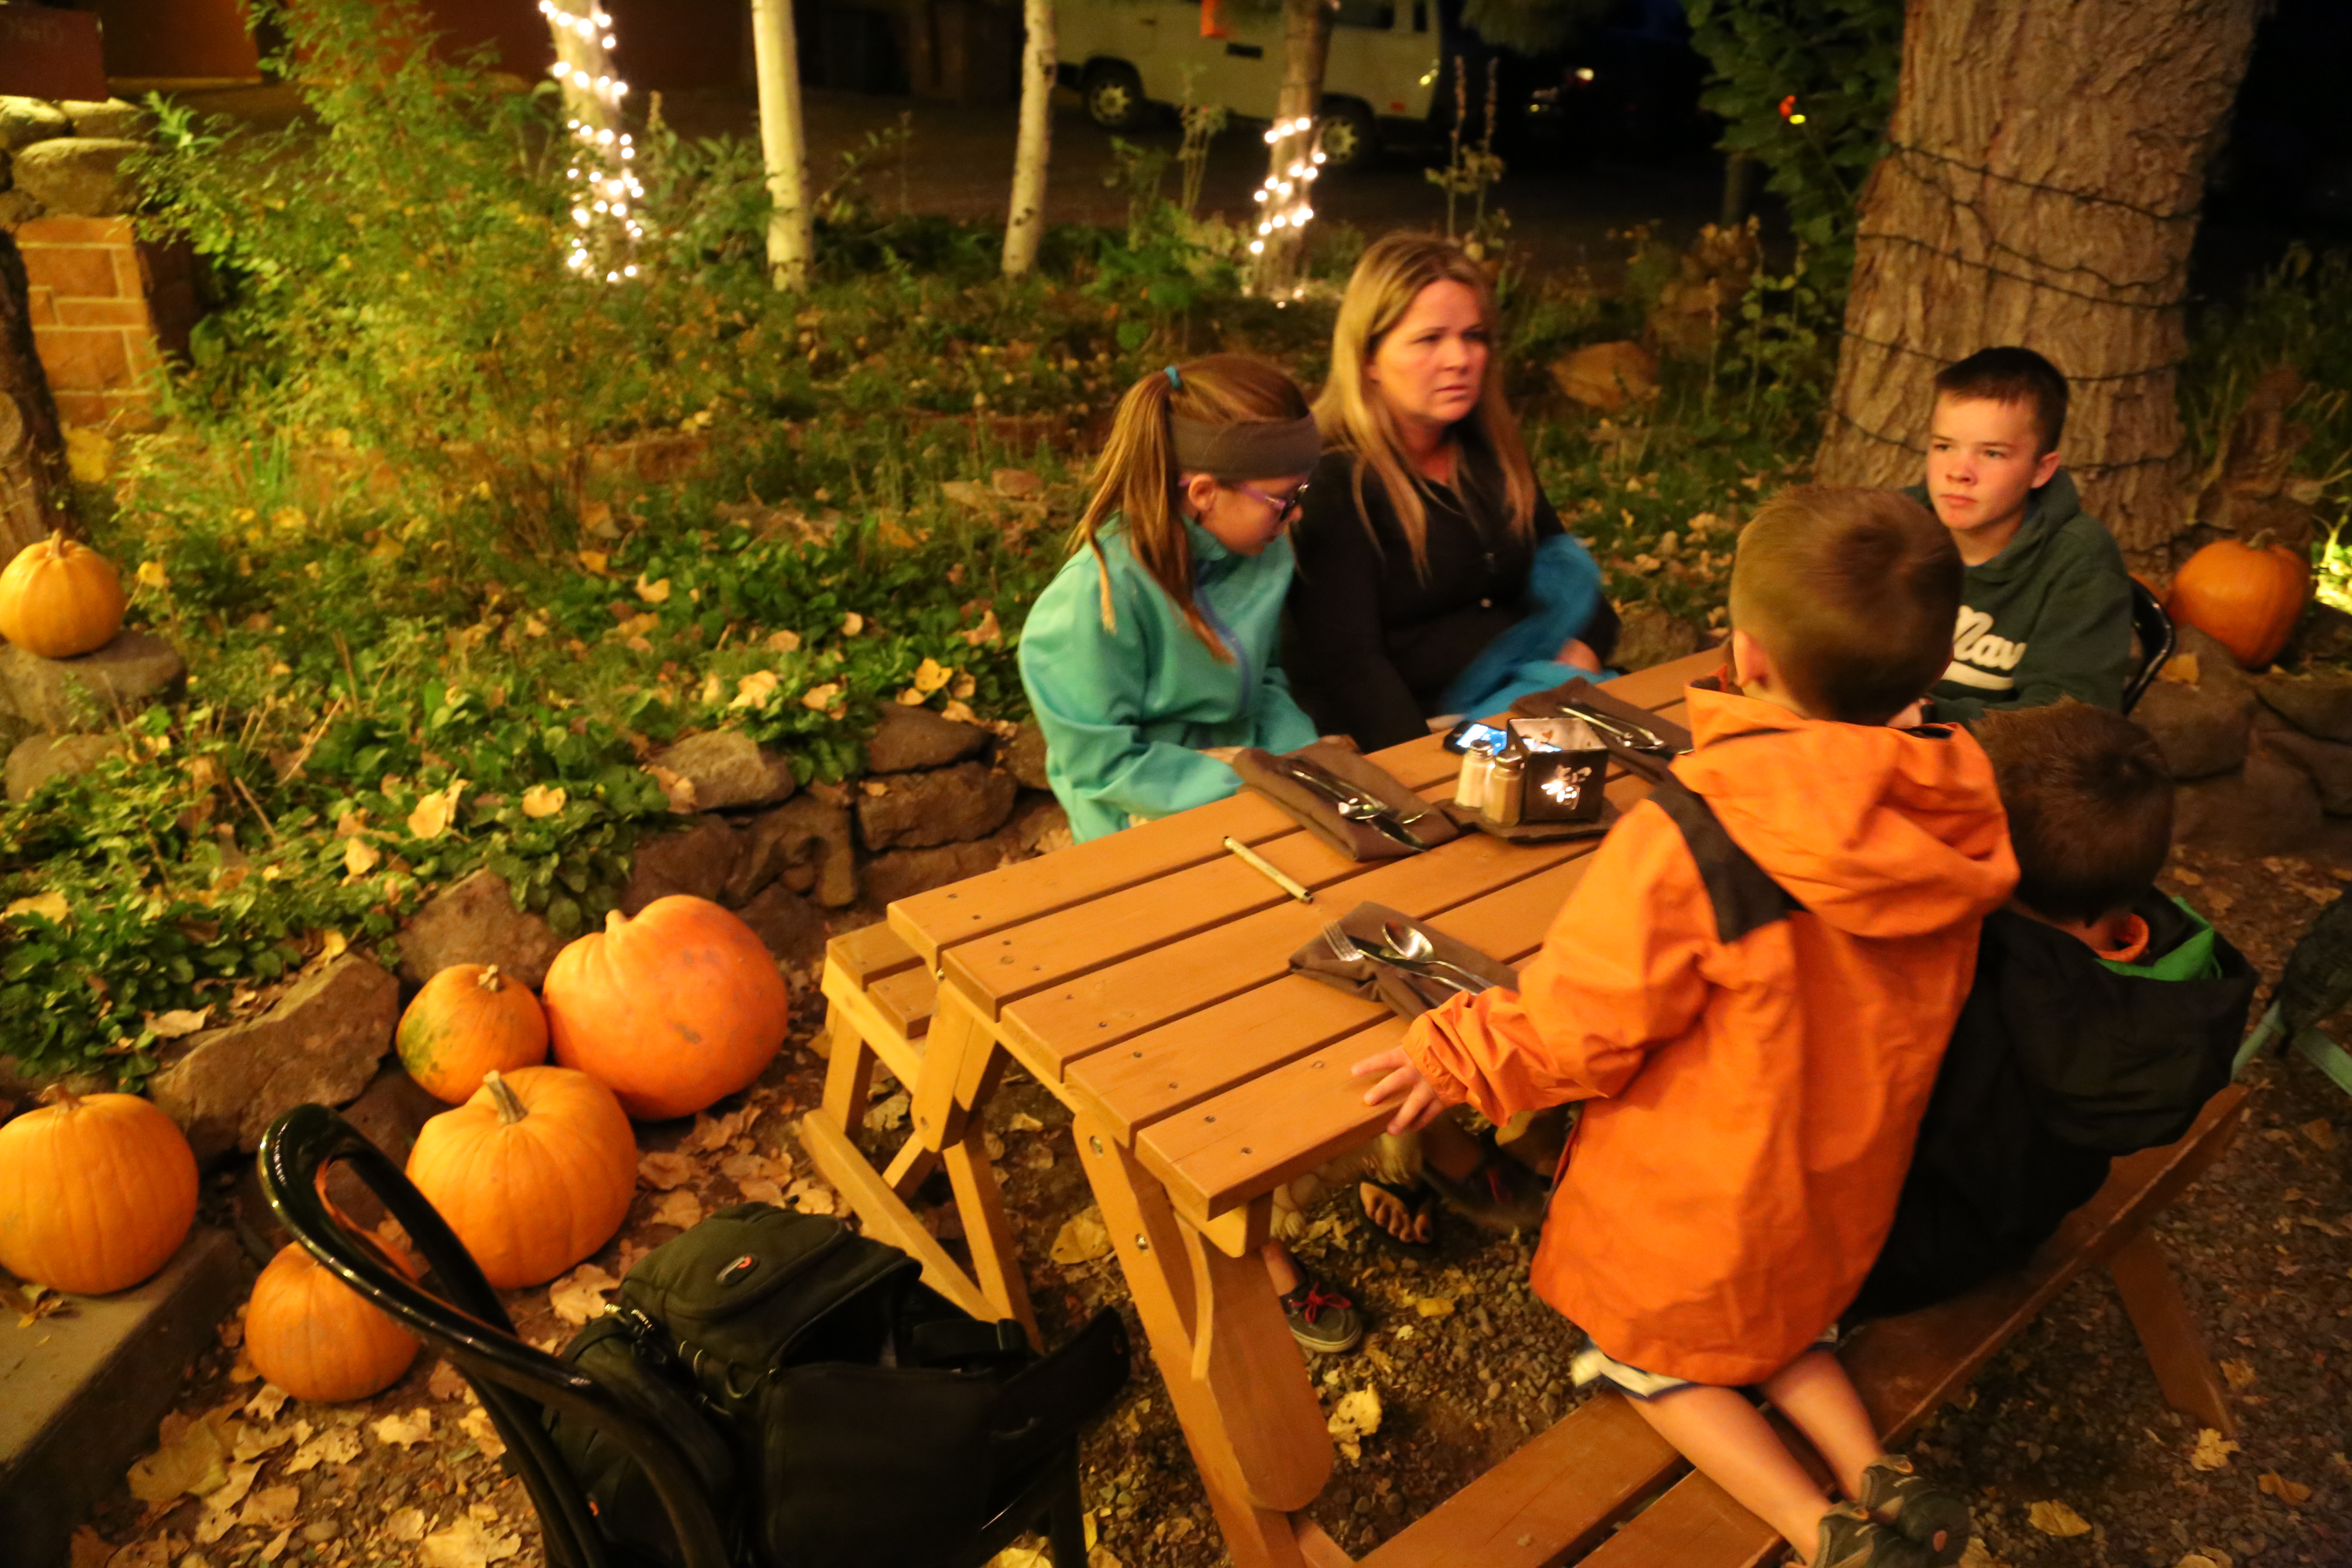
(1752, 989)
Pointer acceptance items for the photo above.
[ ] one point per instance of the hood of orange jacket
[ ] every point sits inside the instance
(1899, 836)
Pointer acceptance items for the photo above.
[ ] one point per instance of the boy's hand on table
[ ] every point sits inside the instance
(1421, 1102)
(1224, 754)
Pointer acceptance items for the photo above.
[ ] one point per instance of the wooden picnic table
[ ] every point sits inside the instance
(1144, 979)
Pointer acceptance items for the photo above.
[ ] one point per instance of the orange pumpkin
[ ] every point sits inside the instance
(58, 599)
(469, 1020)
(317, 1338)
(96, 1192)
(2245, 596)
(674, 1010)
(534, 1173)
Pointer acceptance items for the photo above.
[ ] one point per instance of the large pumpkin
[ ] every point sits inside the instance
(533, 1174)
(2247, 598)
(96, 1192)
(58, 599)
(674, 1010)
(317, 1338)
(469, 1020)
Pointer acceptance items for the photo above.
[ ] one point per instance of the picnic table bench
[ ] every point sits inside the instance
(1143, 978)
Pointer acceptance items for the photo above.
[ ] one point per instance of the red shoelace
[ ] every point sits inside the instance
(1316, 1298)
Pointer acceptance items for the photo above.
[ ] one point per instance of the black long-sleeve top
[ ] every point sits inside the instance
(1371, 643)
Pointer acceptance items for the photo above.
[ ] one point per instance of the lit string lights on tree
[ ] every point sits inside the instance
(1285, 199)
(605, 190)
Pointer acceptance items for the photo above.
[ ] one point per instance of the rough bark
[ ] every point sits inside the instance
(2041, 186)
(783, 144)
(32, 450)
(1305, 46)
(1026, 224)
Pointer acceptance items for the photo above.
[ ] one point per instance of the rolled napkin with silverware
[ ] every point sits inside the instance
(1385, 956)
(1351, 803)
(1641, 740)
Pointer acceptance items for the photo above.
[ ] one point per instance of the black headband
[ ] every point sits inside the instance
(1255, 450)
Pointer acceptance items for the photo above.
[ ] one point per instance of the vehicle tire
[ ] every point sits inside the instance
(1113, 94)
(1351, 139)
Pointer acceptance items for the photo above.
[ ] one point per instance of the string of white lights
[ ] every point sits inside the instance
(605, 192)
(1286, 198)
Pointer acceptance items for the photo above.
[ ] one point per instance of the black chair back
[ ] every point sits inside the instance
(2152, 630)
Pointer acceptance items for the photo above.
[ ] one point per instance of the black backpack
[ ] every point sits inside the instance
(817, 1388)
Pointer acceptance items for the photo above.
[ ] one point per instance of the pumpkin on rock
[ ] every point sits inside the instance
(533, 1174)
(674, 1009)
(469, 1019)
(96, 1192)
(59, 599)
(317, 1338)
(2246, 596)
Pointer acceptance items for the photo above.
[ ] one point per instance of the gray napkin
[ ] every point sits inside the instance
(1407, 995)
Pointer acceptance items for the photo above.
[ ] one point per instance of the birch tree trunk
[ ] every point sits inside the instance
(1305, 46)
(783, 145)
(2041, 185)
(1026, 225)
(32, 450)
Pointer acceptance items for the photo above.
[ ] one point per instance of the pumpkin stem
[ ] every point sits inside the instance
(60, 1094)
(614, 921)
(490, 978)
(510, 1109)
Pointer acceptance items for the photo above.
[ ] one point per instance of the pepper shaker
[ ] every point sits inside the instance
(1507, 780)
(1470, 787)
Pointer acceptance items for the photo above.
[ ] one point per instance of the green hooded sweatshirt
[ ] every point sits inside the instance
(2050, 616)
(1128, 712)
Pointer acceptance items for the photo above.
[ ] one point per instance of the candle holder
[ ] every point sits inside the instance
(1567, 766)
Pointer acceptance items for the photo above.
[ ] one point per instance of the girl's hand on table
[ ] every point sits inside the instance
(1224, 754)
(1578, 652)
(1421, 1102)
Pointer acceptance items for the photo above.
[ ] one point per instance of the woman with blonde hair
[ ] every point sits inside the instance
(1434, 577)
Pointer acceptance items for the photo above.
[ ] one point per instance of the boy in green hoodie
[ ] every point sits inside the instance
(2046, 611)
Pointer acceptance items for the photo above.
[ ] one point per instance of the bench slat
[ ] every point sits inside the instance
(906, 1001)
(869, 953)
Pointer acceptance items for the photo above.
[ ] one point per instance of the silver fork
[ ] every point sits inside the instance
(1343, 946)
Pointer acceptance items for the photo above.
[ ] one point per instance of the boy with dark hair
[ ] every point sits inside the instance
(2047, 609)
(2103, 1017)
(1749, 991)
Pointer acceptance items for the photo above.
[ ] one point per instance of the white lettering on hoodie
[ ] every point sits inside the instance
(1979, 658)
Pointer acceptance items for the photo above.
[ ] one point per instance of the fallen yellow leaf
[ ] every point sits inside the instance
(179, 1021)
(436, 812)
(930, 675)
(662, 1172)
(151, 575)
(653, 593)
(49, 906)
(785, 641)
(821, 698)
(2292, 1493)
(1082, 1238)
(595, 561)
(852, 624)
(360, 856)
(754, 689)
(1355, 1418)
(2057, 1518)
(541, 800)
(2213, 1451)
(912, 697)
(404, 1430)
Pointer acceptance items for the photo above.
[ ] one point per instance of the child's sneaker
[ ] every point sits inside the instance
(1321, 1320)
(1935, 1517)
(1852, 1538)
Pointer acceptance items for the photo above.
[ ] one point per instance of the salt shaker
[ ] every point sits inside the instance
(1470, 787)
(1506, 779)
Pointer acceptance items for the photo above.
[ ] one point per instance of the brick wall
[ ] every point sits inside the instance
(105, 305)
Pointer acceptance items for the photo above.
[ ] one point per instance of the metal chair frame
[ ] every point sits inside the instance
(2154, 629)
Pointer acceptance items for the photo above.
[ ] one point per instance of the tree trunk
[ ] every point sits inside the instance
(776, 59)
(2042, 184)
(1027, 224)
(32, 451)
(1306, 45)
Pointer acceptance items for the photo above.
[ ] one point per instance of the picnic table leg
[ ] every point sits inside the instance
(1236, 1377)
(2168, 1332)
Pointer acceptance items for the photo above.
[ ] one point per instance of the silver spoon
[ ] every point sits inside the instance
(1412, 944)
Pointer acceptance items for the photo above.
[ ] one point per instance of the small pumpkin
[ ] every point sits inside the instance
(534, 1173)
(2245, 595)
(317, 1338)
(469, 1019)
(59, 599)
(96, 1192)
(674, 1009)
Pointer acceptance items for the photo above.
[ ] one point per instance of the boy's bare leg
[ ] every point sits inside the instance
(1814, 1393)
(1729, 1438)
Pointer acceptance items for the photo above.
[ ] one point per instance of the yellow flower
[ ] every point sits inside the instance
(539, 800)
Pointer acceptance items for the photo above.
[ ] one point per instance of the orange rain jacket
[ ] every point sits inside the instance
(1753, 1100)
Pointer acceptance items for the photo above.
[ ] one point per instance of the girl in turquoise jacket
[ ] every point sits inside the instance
(1150, 658)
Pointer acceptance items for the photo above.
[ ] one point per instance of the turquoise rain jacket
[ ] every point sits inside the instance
(1126, 712)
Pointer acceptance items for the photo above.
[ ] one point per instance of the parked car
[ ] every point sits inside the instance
(1126, 55)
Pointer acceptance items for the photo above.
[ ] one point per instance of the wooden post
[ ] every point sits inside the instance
(784, 144)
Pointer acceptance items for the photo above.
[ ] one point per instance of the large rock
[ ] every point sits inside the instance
(320, 1043)
(1607, 377)
(2269, 808)
(728, 768)
(788, 925)
(2200, 733)
(1651, 635)
(2324, 633)
(695, 862)
(389, 1113)
(2216, 667)
(62, 694)
(113, 118)
(2319, 704)
(912, 737)
(2328, 765)
(25, 120)
(915, 811)
(903, 873)
(35, 762)
(1024, 756)
(805, 844)
(80, 176)
(474, 920)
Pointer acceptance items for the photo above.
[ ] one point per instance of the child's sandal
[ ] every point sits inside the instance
(1852, 1538)
(1498, 1195)
(1419, 1206)
(1935, 1517)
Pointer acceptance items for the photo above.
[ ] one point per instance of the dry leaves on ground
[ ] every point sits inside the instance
(2241, 1374)
(468, 1544)
(2292, 1493)
(1082, 1238)
(811, 1195)
(663, 1172)
(447, 1382)
(337, 1446)
(190, 1458)
(404, 1525)
(2213, 1451)
(579, 1295)
(680, 1208)
(2057, 1518)
(1354, 1418)
(484, 1431)
(404, 1430)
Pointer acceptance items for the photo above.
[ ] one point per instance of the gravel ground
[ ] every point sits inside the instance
(1465, 1362)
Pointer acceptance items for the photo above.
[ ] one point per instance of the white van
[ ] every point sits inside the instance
(1123, 55)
